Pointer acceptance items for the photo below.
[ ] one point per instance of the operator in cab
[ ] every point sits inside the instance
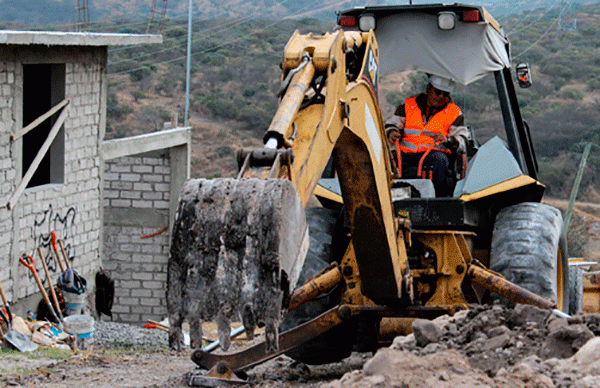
(429, 125)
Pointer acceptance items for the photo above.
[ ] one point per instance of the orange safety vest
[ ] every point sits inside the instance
(416, 135)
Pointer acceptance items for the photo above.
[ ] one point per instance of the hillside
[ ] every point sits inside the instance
(235, 77)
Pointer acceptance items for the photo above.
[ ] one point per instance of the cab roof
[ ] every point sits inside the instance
(409, 39)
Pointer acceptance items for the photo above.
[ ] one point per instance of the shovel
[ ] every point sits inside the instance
(52, 292)
(15, 338)
(28, 262)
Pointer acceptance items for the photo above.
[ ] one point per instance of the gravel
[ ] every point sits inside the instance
(110, 335)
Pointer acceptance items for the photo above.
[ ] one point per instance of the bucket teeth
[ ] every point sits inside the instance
(235, 251)
(248, 321)
(224, 326)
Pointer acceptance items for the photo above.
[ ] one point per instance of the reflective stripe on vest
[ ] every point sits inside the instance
(417, 137)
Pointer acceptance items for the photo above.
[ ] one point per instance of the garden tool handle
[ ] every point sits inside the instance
(3, 295)
(29, 264)
(60, 264)
(52, 293)
(64, 253)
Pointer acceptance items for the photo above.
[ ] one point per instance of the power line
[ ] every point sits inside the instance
(219, 29)
(532, 23)
(214, 29)
(539, 39)
(522, 19)
(223, 44)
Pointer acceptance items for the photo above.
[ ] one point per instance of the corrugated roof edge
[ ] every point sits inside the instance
(63, 38)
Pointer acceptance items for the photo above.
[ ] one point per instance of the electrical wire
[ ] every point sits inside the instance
(214, 30)
(539, 39)
(532, 23)
(220, 45)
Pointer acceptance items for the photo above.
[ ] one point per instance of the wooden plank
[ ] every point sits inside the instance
(38, 158)
(21, 132)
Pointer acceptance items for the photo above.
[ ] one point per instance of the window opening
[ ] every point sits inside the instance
(43, 87)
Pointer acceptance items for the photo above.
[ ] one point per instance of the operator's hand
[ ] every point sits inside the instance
(439, 138)
(394, 136)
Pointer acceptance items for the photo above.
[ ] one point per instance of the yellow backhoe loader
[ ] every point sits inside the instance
(344, 272)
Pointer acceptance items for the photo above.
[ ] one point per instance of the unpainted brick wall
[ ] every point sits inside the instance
(70, 208)
(136, 204)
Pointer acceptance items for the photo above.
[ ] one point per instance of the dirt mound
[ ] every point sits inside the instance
(490, 346)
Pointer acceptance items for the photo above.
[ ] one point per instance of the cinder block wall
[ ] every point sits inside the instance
(71, 208)
(136, 204)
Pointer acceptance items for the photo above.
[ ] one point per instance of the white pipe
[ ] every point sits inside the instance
(214, 345)
(271, 143)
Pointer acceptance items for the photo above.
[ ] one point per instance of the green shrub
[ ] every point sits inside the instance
(394, 98)
(593, 84)
(114, 109)
(222, 107)
(556, 70)
(140, 74)
(224, 150)
(137, 95)
(572, 94)
(248, 92)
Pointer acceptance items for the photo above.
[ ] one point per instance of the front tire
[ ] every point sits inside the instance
(335, 344)
(529, 249)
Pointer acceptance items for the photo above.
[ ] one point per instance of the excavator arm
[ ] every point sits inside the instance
(239, 244)
(348, 125)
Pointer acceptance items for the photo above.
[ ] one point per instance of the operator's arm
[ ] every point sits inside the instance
(394, 126)
(457, 135)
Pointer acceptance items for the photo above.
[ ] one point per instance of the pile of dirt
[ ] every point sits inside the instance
(490, 346)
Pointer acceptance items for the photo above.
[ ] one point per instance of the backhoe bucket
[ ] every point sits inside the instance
(237, 250)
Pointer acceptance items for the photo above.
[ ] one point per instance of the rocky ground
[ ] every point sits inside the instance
(490, 346)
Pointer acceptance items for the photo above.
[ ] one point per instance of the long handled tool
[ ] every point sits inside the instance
(64, 253)
(52, 293)
(3, 295)
(15, 338)
(56, 254)
(28, 262)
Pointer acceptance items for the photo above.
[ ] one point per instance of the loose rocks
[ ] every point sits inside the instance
(108, 335)
(490, 346)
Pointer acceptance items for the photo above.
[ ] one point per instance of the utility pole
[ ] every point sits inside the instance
(567, 20)
(161, 17)
(576, 184)
(83, 14)
(186, 118)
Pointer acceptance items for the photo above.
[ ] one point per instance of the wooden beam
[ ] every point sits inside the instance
(21, 132)
(38, 158)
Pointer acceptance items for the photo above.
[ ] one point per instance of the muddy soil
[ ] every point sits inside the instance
(490, 346)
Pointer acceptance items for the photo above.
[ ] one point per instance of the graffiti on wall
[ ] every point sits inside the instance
(63, 225)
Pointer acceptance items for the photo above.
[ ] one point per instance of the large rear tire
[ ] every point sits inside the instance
(529, 249)
(335, 344)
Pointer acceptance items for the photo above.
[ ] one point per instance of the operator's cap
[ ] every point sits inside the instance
(441, 83)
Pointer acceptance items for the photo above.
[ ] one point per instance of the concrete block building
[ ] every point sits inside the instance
(52, 152)
(142, 179)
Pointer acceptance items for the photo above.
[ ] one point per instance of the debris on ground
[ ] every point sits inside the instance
(488, 346)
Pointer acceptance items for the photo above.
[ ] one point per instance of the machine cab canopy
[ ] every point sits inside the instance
(459, 42)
